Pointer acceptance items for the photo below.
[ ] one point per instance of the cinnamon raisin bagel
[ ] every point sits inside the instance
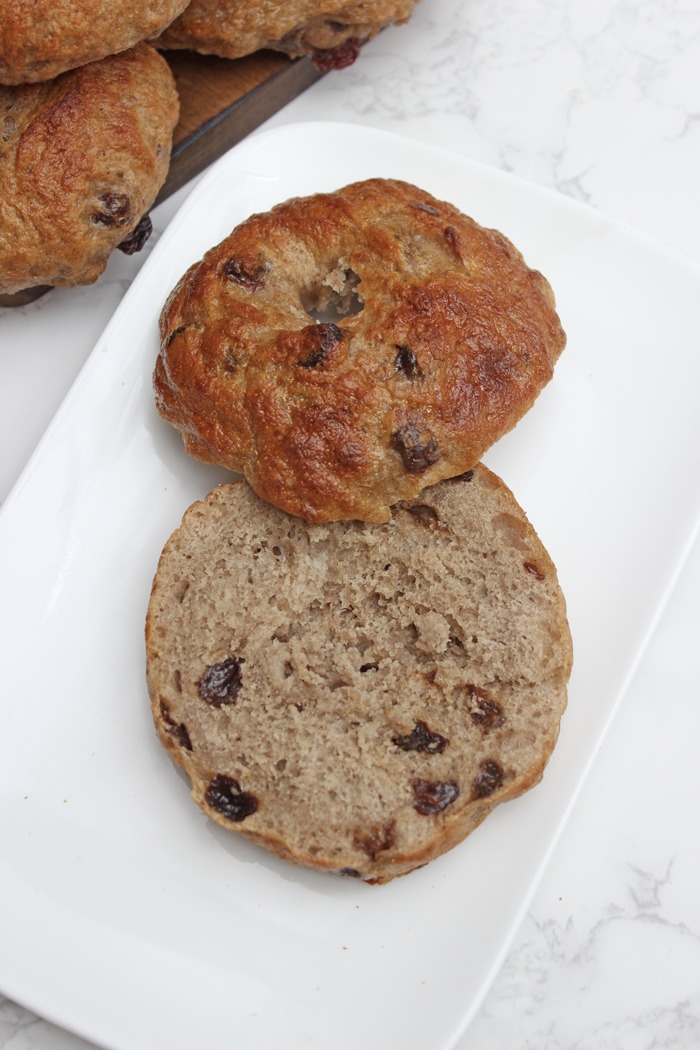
(357, 698)
(330, 31)
(41, 38)
(82, 158)
(442, 338)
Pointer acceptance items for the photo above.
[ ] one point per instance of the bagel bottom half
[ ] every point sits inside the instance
(357, 698)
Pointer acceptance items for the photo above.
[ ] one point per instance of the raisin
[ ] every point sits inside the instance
(406, 362)
(488, 779)
(425, 207)
(368, 667)
(468, 475)
(421, 738)
(350, 873)
(486, 712)
(175, 332)
(224, 795)
(175, 729)
(533, 570)
(115, 210)
(376, 840)
(221, 683)
(417, 451)
(326, 336)
(138, 237)
(245, 272)
(433, 796)
(340, 57)
(453, 239)
(425, 515)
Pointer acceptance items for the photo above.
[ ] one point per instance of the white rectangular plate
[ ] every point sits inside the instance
(124, 914)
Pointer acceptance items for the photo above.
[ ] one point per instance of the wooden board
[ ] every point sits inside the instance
(223, 100)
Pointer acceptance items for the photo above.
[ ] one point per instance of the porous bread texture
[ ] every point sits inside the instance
(39, 39)
(330, 31)
(82, 158)
(376, 690)
(451, 340)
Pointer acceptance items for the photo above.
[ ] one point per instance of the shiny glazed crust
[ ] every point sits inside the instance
(41, 38)
(340, 419)
(331, 31)
(82, 158)
(357, 698)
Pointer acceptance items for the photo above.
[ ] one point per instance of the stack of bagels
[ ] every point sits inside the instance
(360, 648)
(88, 108)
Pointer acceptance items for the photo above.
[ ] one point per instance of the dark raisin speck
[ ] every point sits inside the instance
(178, 730)
(327, 59)
(369, 667)
(425, 207)
(406, 362)
(453, 239)
(425, 515)
(350, 873)
(246, 272)
(468, 475)
(487, 780)
(225, 796)
(485, 711)
(174, 334)
(418, 451)
(221, 683)
(433, 796)
(138, 237)
(376, 840)
(324, 337)
(421, 738)
(533, 570)
(114, 210)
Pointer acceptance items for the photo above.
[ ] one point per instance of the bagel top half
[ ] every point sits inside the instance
(345, 350)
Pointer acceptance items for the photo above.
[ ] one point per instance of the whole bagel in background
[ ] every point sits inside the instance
(330, 31)
(41, 38)
(358, 698)
(82, 158)
(441, 339)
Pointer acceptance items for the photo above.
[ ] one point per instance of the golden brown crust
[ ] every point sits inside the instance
(82, 158)
(455, 339)
(331, 31)
(41, 38)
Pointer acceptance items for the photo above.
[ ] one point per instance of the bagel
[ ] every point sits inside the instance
(442, 339)
(330, 31)
(357, 698)
(82, 158)
(41, 38)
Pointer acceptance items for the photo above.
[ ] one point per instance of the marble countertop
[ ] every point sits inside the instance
(599, 100)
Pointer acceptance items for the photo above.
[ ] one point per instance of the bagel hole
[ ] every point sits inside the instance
(336, 295)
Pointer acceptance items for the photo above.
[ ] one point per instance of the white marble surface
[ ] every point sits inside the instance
(598, 99)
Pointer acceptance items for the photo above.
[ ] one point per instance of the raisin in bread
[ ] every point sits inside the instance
(358, 698)
(455, 338)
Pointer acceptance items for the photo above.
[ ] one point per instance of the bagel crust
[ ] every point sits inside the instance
(441, 338)
(331, 32)
(82, 158)
(41, 38)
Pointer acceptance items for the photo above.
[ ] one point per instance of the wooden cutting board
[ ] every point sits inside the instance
(223, 100)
